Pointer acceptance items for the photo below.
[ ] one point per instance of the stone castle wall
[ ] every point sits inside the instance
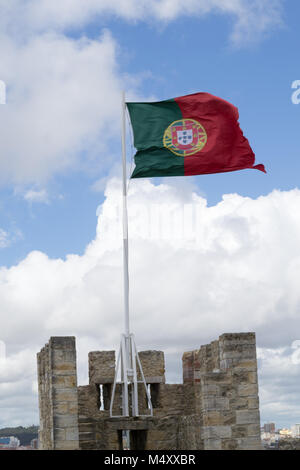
(58, 394)
(216, 406)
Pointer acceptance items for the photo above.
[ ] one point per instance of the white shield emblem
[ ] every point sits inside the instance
(185, 137)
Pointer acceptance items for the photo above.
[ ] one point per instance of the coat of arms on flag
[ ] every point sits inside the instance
(185, 137)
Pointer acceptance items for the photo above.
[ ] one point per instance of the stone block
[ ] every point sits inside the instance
(253, 403)
(247, 416)
(86, 427)
(210, 389)
(229, 444)
(62, 342)
(229, 417)
(212, 444)
(237, 338)
(252, 377)
(60, 408)
(65, 394)
(238, 403)
(240, 376)
(215, 403)
(72, 407)
(59, 434)
(216, 378)
(101, 367)
(212, 418)
(170, 399)
(72, 434)
(248, 364)
(239, 352)
(247, 390)
(253, 430)
(62, 381)
(63, 368)
(240, 431)
(71, 381)
(153, 366)
(66, 445)
(65, 421)
(61, 356)
(249, 443)
(216, 432)
(188, 367)
(87, 436)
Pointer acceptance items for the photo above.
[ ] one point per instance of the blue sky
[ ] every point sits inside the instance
(61, 153)
(173, 59)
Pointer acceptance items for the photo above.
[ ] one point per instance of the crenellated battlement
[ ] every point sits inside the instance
(216, 406)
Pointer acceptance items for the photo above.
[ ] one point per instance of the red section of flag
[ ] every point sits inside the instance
(226, 148)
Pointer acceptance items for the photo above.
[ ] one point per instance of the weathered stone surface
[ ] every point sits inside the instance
(253, 403)
(153, 366)
(249, 443)
(216, 432)
(215, 403)
(215, 408)
(101, 367)
(247, 416)
(58, 395)
(229, 444)
(212, 444)
(189, 433)
(247, 390)
(66, 445)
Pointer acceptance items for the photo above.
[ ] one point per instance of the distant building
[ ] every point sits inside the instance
(295, 430)
(4, 441)
(34, 444)
(269, 427)
(10, 442)
(285, 433)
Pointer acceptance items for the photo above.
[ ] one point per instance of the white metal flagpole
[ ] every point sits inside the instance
(125, 221)
(126, 346)
(128, 358)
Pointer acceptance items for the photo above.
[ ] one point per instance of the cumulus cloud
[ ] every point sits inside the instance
(63, 100)
(279, 384)
(63, 93)
(252, 18)
(33, 195)
(4, 239)
(195, 273)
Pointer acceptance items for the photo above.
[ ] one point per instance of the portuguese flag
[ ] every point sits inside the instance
(190, 135)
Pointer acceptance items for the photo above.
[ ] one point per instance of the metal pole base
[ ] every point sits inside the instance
(129, 365)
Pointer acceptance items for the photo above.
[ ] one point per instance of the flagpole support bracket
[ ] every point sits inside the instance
(129, 369)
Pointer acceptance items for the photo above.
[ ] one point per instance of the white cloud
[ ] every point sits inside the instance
(63, 99)
(252, 18)
(33, 195)
(63, 93)
(4, 239)
(195, 273)
(279, 385)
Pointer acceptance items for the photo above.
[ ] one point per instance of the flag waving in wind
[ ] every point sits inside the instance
(190, 135)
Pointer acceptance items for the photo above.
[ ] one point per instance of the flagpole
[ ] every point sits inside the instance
(125, 221)
(126, 339)
(128, 360)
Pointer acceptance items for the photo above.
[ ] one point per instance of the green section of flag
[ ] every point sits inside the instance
(149, 122)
